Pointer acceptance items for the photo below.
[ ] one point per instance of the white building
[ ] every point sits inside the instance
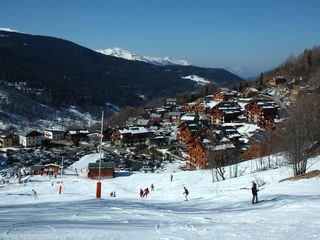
(31, 139)
(53, 134)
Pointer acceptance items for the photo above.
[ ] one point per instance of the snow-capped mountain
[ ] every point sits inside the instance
(160, 61)
(244, 72)
(9, 30)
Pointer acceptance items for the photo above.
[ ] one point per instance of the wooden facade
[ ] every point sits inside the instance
(224, 94)
(107, 170)
(194, 107)
(224, 112)
(257, 110)
(276, 81)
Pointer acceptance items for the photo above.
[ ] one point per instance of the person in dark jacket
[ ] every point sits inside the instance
(141, 192)
(152, 187)
(254, 193)
(186, 192)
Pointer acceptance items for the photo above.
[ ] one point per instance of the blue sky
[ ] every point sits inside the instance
(258, 34)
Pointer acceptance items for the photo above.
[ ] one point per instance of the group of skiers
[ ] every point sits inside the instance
(145, 192)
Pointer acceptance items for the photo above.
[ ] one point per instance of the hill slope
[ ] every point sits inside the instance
(220, 210)
(70, 74)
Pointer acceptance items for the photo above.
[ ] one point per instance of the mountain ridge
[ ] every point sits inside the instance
(126, 54)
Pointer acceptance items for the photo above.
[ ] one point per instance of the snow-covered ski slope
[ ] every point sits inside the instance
(223, 210)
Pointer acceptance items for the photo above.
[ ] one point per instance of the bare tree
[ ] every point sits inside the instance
(218, 159)
(301, 132)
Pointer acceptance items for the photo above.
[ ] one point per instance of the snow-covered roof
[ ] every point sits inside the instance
(133, 130)
(223, 147)
(187, 118)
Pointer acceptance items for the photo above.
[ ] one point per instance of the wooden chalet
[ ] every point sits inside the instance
(106, 134)
(158, 140)
(9, 140)
(267, 123)
(224, 94)
(196, 158)
(131, 135)
(257, 110)
(196, 107)
(173, 117)
(250, 92)
(256, 147)
(75, 135)
(171, 101)
(224, 112)
(107, 170)
(276, 81)
(188, 131)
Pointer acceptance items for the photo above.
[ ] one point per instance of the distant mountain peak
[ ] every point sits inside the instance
(244, 71)
(9, 30)
(160, 61)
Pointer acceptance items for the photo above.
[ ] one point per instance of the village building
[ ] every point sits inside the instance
(256, 147)
(31, 139)
(224, 94)
(107, 170)
(171, 101)
(9, 140)
(267, 123)
(53, 134)
(276, 81)
(106, 134)
(131, 135)
(77, 135)
(250, 92)
(257, 110)
(195, 107)
(224, 112)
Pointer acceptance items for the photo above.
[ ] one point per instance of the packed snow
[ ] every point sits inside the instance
(215, 210)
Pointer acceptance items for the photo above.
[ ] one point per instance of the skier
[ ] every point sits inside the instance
(141, 192)
(146, 192)
(254, 192)
(34, 194)
(114, 193)
(152, 187)
(171, 178)
(111, 194)
(186, 192)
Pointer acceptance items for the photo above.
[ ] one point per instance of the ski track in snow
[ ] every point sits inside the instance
(223, 210)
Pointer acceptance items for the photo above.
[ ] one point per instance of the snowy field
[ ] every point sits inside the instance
(219, 210)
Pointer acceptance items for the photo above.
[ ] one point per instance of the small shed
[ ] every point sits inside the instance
(51, 169)
(107, 170)
(37, 169)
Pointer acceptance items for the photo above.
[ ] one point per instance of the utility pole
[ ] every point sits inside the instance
(98, 192)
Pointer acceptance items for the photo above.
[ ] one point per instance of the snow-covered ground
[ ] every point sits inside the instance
(215, 210)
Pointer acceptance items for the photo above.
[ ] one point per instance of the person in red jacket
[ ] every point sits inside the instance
(146, 192)
(141, 192)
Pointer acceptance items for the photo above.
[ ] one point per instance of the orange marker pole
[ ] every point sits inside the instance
(60, 189)
(98, 193)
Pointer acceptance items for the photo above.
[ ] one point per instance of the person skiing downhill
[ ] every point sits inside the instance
(141, 193)
(186, 192)
(146, 192)
(152, 187)
(34, 194)
(254, 192)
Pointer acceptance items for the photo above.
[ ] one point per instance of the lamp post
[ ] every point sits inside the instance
(98, 192)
